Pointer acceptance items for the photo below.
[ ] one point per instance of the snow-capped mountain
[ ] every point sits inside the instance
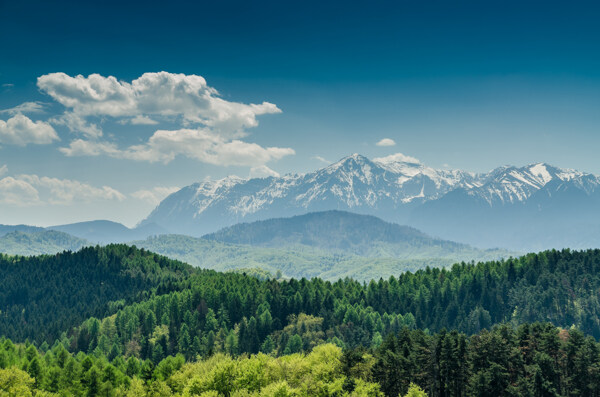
(453, 204)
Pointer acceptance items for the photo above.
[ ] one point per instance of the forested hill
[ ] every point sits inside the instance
(237, 314)
(533, 360)
(349, 233)
(39, 242)
(330, 230)
(170, 313)
(296, 262)
(42, 296)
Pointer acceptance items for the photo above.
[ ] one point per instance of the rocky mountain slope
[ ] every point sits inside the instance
(525, 208)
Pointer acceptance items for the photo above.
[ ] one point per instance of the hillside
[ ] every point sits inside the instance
(559, 287)
(343, 232)
(5, 229)
(39, 242)
(329, 245)
(205, 315)
(534, 207)
(412, 363)
(299, 261)
(42, 296)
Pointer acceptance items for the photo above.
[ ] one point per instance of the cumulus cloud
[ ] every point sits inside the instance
(26, 107)
(65, 191)
(154, 195)
(81, 147)
(153, 94)
(18, 192)
(78, 124)
(27, 190)
(262, 171)
(165, 145)
(21, 130)
(397, 158)
(386, 142)
(208, 128)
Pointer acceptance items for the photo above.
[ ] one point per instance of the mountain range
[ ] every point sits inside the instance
(522, 208)
(330, 245)
(90, 232)
(528, 208)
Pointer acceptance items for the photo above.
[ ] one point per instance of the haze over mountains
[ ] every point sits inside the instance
(523, 208)
(339, 232)
(330, 245)
(95, 232)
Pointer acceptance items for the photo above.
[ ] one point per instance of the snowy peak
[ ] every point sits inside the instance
(212, 187)
(352, 163)
(400, 164)
(541, 172)
(509, 184)
(389, 186)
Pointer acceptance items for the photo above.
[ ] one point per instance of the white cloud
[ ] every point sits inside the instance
(262, 171)
(80, 147)
(27, 190)
(386, 142)
(21, 130)
(3, 170)
(153, 94)
(142, 120)
(154, 195)
(322, 160)
(65, 191)
(26, 107)
(77, 123)
(202, 144)
(397, 158)
(209, 128)
(18, 192)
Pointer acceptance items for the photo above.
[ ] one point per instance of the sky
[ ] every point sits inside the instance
(107, 107)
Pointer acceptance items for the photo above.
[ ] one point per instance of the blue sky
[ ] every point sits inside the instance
(470, 85)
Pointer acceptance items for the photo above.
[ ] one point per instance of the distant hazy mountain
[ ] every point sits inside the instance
(5, 229)
(344, 232)
(528, 208)
(330, 245)
(39, 242)
(104, 232)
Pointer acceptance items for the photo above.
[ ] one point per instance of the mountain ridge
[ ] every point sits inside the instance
(96, 232)
(334, 231)
(401, 189)
(328, 244)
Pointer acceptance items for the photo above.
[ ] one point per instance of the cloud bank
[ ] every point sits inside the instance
(28, 190)
(211, 128)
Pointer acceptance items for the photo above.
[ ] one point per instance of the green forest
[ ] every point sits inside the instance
(118, 320)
